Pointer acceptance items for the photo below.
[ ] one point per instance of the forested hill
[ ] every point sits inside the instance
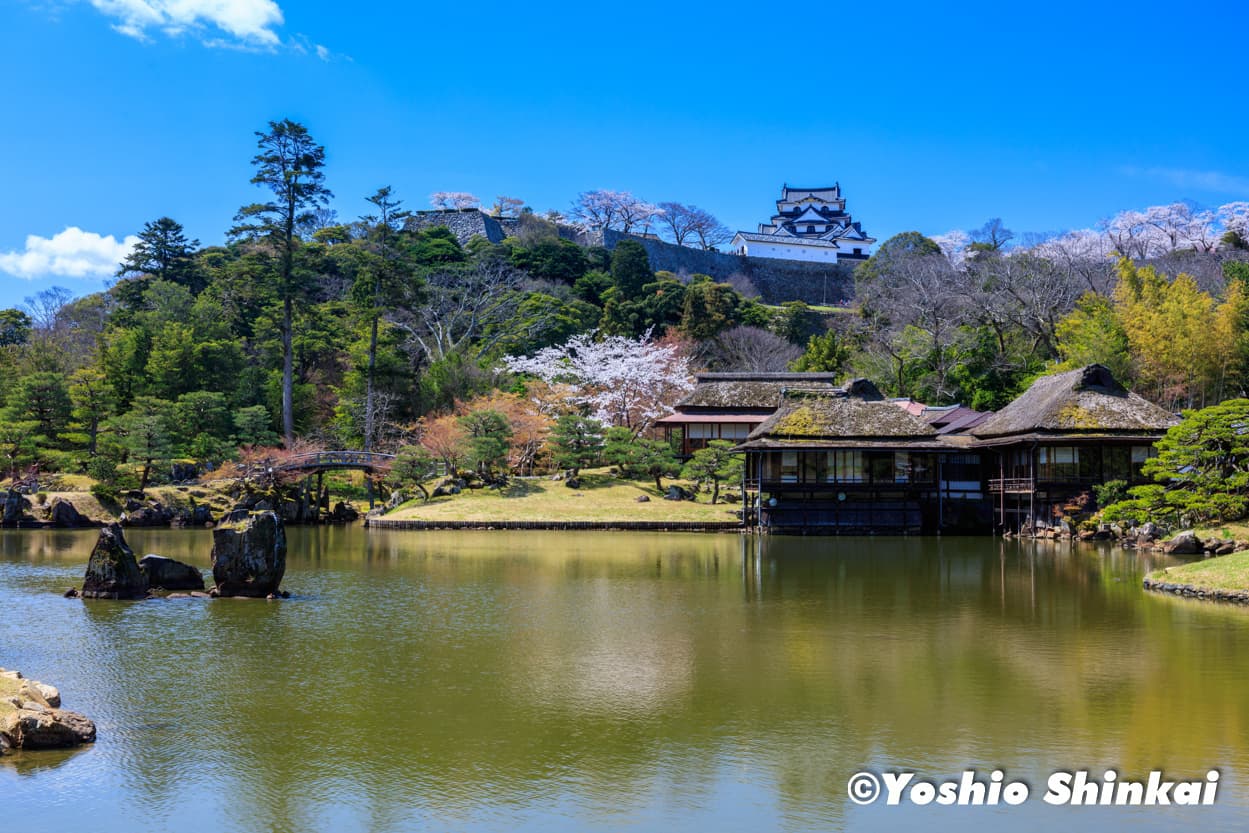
(363, 334)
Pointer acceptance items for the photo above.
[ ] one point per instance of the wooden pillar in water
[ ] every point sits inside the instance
(1001, 456)
(320, 476)
(745, 503)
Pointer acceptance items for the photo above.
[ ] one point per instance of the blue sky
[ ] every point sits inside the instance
(932, 116)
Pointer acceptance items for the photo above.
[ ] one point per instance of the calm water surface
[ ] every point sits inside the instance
(550, 682)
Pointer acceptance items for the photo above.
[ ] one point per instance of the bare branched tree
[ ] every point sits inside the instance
(911, 311)
(743, 285)
(709, 231)
(748, 350)
(677, 221)
(993, 235)
(463, 304)
(1022, 290)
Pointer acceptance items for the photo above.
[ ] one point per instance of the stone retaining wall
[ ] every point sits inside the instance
(1236, 596)
(777, 280)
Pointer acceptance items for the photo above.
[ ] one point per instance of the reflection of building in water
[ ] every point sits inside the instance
(610, 653)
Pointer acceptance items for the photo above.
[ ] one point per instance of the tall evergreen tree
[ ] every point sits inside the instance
(382, 278)
(630, 269)
(164, 252)
(290, 165)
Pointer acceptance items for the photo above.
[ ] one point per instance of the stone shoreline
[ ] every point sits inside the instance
(1194, 592)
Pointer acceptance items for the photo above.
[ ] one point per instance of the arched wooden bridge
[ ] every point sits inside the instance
(319, 461)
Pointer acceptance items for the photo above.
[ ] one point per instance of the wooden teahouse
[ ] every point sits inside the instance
(1066, 433)
(846, 460)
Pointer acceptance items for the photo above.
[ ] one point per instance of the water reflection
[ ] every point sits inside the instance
(563, 681)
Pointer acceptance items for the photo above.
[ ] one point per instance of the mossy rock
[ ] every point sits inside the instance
(112, 571)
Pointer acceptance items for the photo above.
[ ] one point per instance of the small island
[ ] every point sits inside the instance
(31, 717)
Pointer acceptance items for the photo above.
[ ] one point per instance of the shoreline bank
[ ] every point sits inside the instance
(618, 526)
(1195, 592)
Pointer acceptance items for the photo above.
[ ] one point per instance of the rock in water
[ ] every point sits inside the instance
(249, 558)
(41, 728)
(31, 716)
(168, 574)
(112, 572)
(14, 503)
(1185, 543)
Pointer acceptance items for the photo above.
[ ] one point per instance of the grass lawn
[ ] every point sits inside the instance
(87, 504)
(1238, 530)
(600, 498)
(1224, 572)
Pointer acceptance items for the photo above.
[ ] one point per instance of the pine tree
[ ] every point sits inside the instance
(630, 269)
(714, 464)
(576, 441)
(165, 253)
(290, 165)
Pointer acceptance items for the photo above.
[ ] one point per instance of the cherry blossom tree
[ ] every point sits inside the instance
(1130, 233)
(625, 382)
(505, 206)
(1179, 226)
(598, 210)
(953, 245)
(455, 200)
(1084, 254)
(1233, 218)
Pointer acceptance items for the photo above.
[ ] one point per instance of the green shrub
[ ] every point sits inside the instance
(1112, 491)
(104, 493)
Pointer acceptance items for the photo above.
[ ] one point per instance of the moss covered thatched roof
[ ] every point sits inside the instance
(1087, 401)
(856, 414)
(757, 391)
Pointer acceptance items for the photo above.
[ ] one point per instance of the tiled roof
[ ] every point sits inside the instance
(788, 240)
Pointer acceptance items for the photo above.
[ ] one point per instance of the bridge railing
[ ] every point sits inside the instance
(336, 459)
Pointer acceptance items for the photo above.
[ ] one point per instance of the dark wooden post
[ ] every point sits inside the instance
(320, 476)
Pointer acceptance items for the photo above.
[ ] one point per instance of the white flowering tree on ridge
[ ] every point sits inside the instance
(622, 381)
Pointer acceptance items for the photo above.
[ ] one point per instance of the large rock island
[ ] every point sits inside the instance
(249, 556)
(31, 716)
(112, 572)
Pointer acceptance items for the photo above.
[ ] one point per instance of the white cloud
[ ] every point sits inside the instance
(247, 22)
(73, 253)
(1216, 181)
(323, 53)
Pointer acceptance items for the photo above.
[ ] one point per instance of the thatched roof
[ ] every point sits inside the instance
(1084, 402)
(755, 391)
(856, 415)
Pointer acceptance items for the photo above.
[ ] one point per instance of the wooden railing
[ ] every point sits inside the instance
(1012, 485)
(336, 460)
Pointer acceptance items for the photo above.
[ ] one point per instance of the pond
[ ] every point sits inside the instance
(490, 681)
